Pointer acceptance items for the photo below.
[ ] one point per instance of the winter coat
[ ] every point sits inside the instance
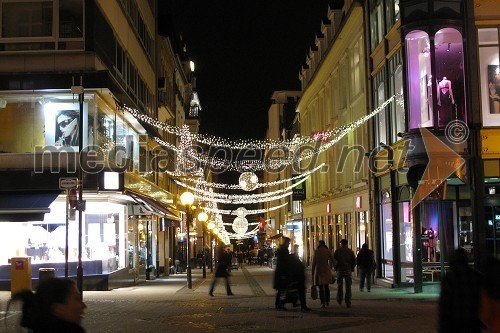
(223, 265)
(321, 266)
(281, 275)
(346, 260)
(365, 259)
(297, 270)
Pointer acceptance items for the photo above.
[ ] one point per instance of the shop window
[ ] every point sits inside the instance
(448, 104)
(386, 234)
(489, 71)
(418, 53)
(406, 241)
(449, 79)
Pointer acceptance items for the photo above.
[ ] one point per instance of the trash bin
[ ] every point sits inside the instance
(20, 274)
(46, 273)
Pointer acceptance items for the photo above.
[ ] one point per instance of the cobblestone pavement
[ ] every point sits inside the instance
(167, 305)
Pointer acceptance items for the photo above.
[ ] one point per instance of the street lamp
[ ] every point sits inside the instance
(187, 200)
(203, 217)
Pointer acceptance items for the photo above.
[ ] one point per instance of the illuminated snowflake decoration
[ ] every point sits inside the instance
(240, 225)
(241, 212)
(248, 181)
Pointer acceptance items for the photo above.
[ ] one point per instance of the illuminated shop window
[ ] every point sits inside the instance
(436, 95)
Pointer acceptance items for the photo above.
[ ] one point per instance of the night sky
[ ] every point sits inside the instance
(243, 50)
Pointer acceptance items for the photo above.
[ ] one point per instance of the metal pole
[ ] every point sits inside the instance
(204, 253)
(188, 266)
(66, 267)
(79, 270)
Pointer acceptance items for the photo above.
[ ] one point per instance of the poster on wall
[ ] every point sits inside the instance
(62, 125)
(494, 88)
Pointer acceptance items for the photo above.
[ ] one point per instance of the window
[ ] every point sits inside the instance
(27, 19)
(386, 234)
(381, 129)
(489, 72)
(377, 23)
(399, 114)
(450, 86)
(419, 80)
(71, 19)
(356, 54)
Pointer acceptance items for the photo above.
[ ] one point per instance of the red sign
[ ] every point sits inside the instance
(19, 265)
(358, 202)
(320, 136)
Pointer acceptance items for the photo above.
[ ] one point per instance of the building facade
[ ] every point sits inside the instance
(66, 74)
(334, 94)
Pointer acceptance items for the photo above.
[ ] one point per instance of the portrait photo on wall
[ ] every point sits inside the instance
(494, 88)
(67, 128)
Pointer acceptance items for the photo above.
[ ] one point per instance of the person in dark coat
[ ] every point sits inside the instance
(56, 307)
(322, 271)
(346, 261)
(460, 297)
(365, 262)
(281, 275)
(222, 271)
(298, 276)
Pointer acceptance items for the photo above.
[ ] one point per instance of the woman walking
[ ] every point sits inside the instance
(322, 264)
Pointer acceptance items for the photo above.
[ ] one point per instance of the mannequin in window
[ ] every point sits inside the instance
(446, 101)
(431, 250)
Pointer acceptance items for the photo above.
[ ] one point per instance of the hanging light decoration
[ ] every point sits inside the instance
(248, 181)
(241, 211)
(240, 224)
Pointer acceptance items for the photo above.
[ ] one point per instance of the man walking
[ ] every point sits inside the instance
(346, 261)
(281, 274)
(366, 265)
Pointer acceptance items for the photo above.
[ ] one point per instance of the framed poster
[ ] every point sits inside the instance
(494, 88)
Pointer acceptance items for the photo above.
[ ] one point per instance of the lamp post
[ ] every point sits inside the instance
(187, 200)
(203, 217)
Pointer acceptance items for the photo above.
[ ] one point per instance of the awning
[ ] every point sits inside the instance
(25, 206)
(153, 205)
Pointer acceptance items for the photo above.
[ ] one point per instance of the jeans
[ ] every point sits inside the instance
(341, 276)
(365, 274)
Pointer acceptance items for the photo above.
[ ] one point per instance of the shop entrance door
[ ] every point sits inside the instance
(441, 223)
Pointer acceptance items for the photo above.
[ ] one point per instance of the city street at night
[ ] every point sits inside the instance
(167, 305)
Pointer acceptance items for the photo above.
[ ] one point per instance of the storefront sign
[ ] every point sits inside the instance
(67, 183)
(299, 192)
(490, 143)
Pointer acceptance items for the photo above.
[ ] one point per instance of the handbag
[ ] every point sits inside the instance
(314, 292)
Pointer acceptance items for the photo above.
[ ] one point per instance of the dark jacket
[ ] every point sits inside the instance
(281, 273)
(223, 264)
(365, 259)
(56, 325)
(459, 301)
(297, 270)
(346, 260)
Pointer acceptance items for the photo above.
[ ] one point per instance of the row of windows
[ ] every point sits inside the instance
(137, 20)
(21, 22)
(382, 11)
(127, 72)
